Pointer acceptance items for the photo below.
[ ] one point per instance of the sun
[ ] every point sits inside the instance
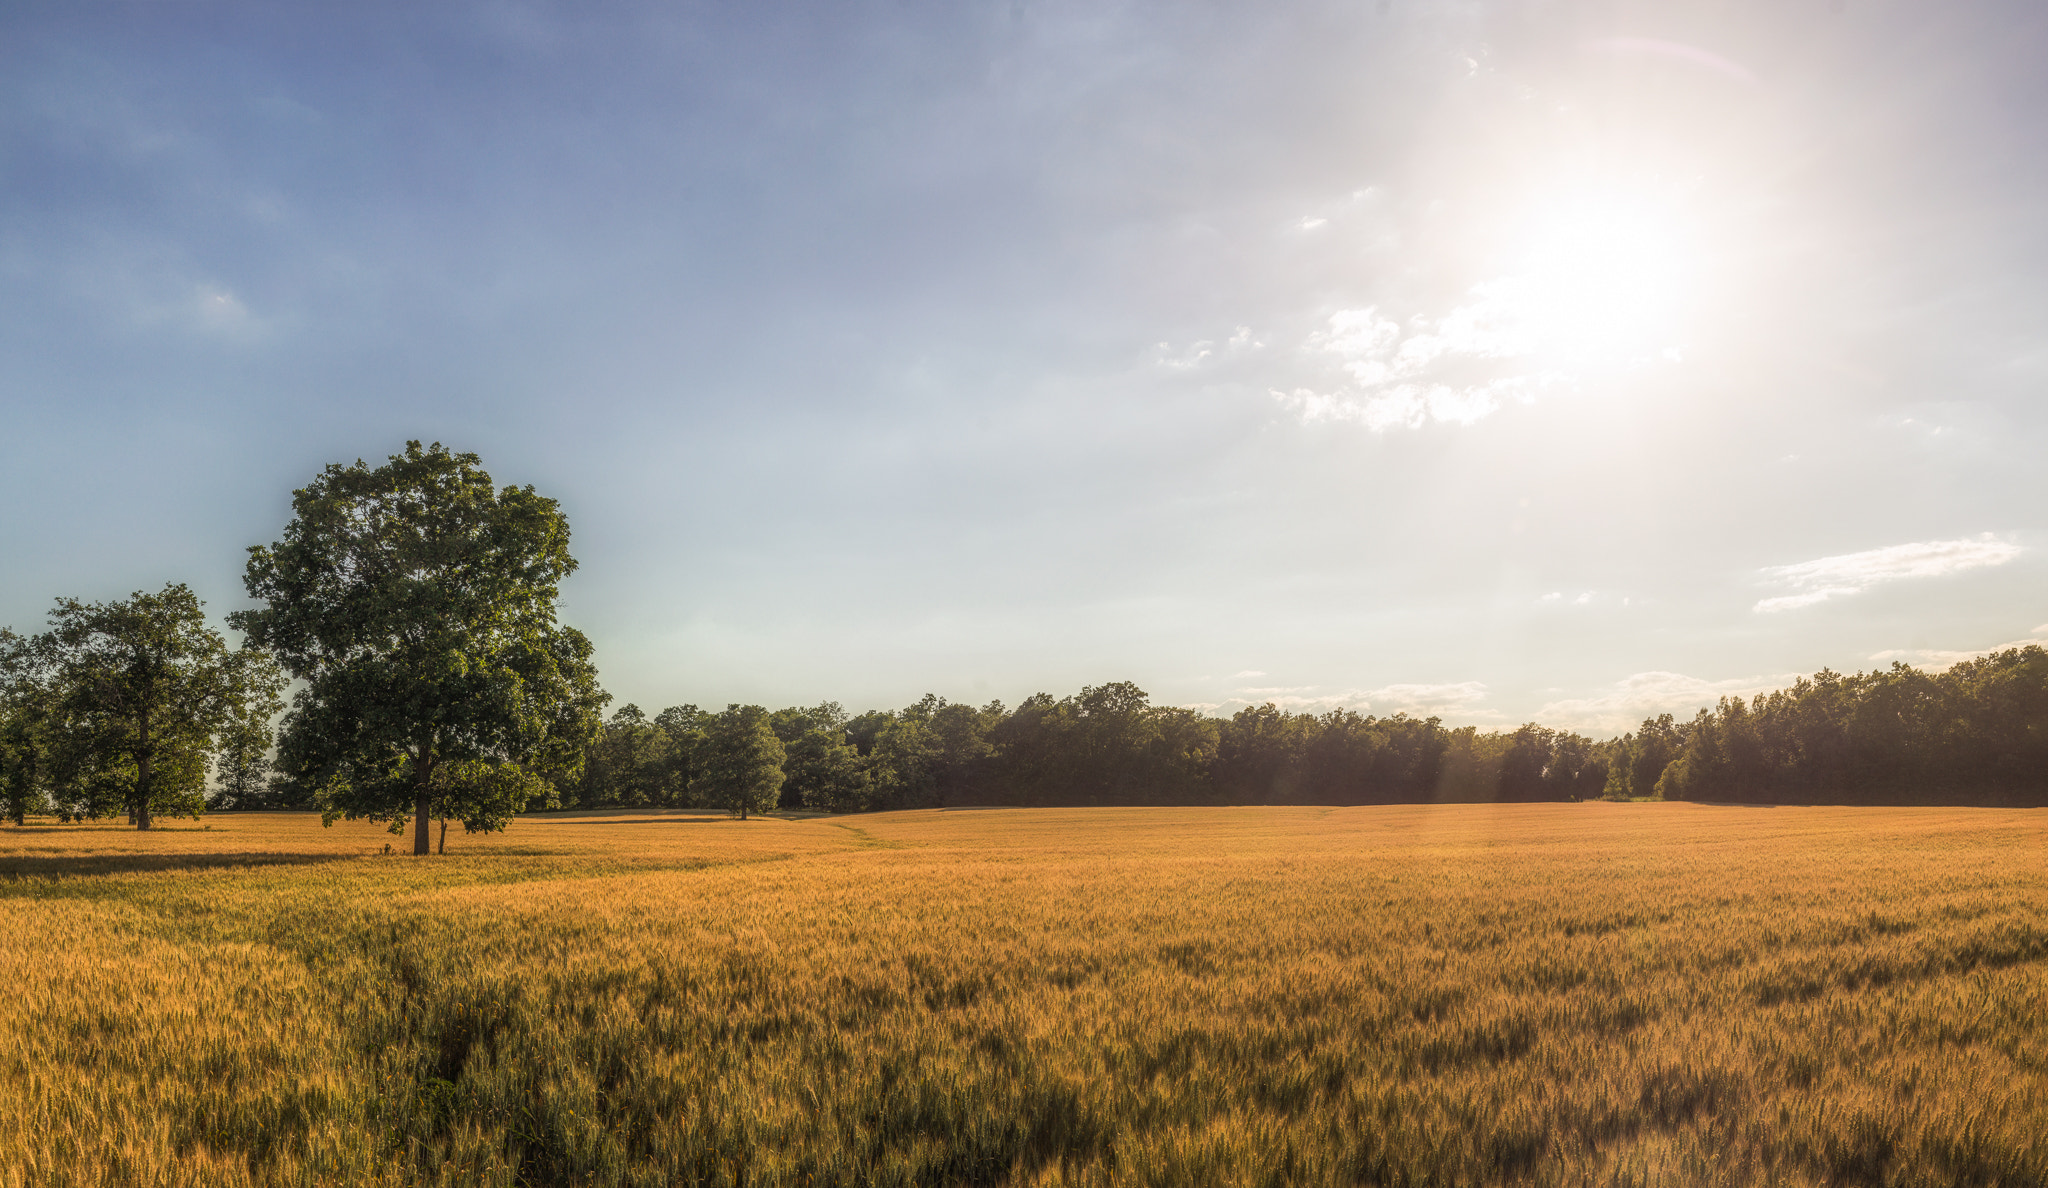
(1603, 277)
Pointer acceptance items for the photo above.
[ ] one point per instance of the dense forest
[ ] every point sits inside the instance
(414, 606)
(1975, 734)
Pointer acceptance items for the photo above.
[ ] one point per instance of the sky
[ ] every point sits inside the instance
(1504, 361)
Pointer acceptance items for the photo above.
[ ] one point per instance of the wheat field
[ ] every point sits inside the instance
(1600, 994)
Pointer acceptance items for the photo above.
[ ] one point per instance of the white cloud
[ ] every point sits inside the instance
(1249, 672)
(1459, 698)
(1647, 694)
(1411, 406)
(1400, 377)
(1853, 573)
(1426, 698)
(1311, 222)
(1205, 352)
(219, 310)
(1935, 659)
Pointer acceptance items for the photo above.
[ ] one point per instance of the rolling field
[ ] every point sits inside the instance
(1543, 994)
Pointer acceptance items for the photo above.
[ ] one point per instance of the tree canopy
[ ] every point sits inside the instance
(125, 706)
(417, 601)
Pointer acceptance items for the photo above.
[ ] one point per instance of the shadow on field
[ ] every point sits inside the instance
(53, 866)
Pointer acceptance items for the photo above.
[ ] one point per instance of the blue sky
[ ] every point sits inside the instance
(1567, 361)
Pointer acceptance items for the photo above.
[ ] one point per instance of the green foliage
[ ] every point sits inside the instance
(740, 762)
(627, 764)
(1638, 760)
(123, 705)
(681, 756)
(1268, 756)
(1974, 734)
(417, 602)
(485, 795)
(1108, 744)
(242, 773)
(821, 768)
(25, 709)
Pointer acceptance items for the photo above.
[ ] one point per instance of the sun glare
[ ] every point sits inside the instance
(1603, 278)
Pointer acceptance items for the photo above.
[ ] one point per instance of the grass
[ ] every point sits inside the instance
(1549, 994)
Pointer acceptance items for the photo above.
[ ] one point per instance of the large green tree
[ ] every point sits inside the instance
(416, 601)
(142, 695)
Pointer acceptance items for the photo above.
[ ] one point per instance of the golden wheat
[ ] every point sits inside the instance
(1545, 994)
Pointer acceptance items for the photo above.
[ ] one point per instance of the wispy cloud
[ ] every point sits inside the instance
(1936, 659)
(1205, 352)
(1646, 694)
(1406, 377)
(1246, 674)
(1460, 697)
(1852, 573)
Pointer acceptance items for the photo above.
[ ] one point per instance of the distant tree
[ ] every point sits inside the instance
(741, 768)
(1658, 742)
(142, 696)
(1578, 768)
(798, 720)
(682, 732)
(1261, 754)
(417, 602)
(821, 768)
(864, 729)
(823, 772)
(627, 763)
(928, 752)
(242, 772)
(1471, 766)
(25, 761)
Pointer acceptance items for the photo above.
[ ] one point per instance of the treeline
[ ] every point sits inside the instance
(1976, 733)
(415, 605)
(1106, 745)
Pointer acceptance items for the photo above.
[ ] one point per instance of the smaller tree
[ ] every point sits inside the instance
(24, 730)
(485, 795)
(143, 695)
(740, 761)
(242, 773)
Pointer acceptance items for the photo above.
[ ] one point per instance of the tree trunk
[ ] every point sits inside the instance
(444, 836)
(144, 768)
(420, 837)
